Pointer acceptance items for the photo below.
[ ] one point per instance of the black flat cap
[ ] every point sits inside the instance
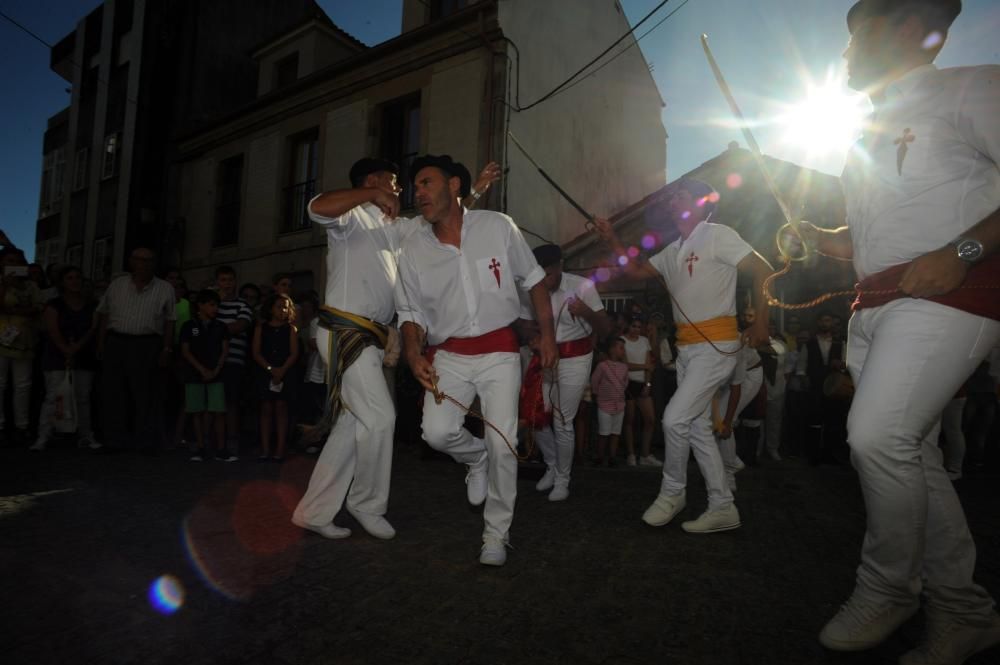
(449, 166)
(365, 166)
(943, 11)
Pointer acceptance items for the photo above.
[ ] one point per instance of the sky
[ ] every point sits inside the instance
(774, 54)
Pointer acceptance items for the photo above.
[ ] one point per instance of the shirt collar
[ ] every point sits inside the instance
(906, 83)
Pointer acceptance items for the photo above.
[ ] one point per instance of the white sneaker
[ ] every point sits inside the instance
(375, 525)
(331, 530)
(954, 475)
(559, 493)
(861, 624)
(477, 482)
(38, 446)
(664, 509)
(650, 460)
(950, 642)
(494, 552)
(712, 521)
(739, 466)
(88, 442)
(546, 482)
(630, 460)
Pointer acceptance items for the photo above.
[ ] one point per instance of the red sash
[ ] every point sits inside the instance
(576, 347)
(500, 340)
(979, 294)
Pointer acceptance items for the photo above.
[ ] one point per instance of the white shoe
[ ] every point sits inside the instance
(774, 455)
(739, 466)
(950, 642)
(546, 482)
(559, 493)
(664, 509)
(477, 482)
(494, 552)
(331, 530)
(712, 521)
(650, 460)
(861, 624)
(954, 475)
(376, 525)
(38, 446)
(630, 460)
(88, 442)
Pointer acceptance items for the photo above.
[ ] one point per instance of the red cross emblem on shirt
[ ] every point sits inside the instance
(902, 142)
(691, 261)
(495, 267)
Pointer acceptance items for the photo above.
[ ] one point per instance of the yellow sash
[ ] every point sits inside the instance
(721, 329)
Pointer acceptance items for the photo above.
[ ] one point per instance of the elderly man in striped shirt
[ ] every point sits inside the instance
(135, 341)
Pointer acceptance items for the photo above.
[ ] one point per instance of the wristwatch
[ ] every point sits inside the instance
(474, 194)
(969, 250)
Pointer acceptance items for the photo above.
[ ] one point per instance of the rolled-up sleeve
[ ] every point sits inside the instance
(340, 226)
(407, 294)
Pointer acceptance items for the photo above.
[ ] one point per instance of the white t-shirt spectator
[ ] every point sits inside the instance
(636, 354)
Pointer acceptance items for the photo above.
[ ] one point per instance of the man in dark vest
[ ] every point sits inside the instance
(822, 356)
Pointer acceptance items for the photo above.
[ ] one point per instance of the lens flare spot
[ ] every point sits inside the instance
(602, 274)
(633, 252)
(734, 181)
(932, 40)
(166, 594)
(648, 241)
(622, 260)
(686, 214)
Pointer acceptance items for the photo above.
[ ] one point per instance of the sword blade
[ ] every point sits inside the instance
(748, 135)
(569, 199)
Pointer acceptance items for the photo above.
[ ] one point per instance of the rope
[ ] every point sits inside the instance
(440, 397)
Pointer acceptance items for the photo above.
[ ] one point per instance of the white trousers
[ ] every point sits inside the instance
(748, 391)
(687, 426)
(775, 414)
(496, 378)
(20, 369)
(558, 442)
(356, 461)
(908, 359)
(83, 381)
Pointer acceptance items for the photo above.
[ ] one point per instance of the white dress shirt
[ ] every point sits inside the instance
(926, 169)
(362, 250)
(132, 311)
(701, 271)
(568, 327)
(465, 291)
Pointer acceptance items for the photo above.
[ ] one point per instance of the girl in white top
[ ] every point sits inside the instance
(639, 355)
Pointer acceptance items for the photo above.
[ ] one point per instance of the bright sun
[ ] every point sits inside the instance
(827, 121)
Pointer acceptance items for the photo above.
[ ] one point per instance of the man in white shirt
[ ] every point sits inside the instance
(363, 237)
(700, 269)
(579, 315)
(923, 224)
(459, 279)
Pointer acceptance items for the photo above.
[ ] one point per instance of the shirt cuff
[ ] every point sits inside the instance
(413, 317)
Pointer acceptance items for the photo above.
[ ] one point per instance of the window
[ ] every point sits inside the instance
(74, 255)
(286, 71)
(46, 191)
(110, 157)
(228, 202)
(80, 169)
(58, 174)
(303, 162)
(400, 140)
(101, 268)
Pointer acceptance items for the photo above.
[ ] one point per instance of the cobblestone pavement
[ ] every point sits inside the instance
(85, 537)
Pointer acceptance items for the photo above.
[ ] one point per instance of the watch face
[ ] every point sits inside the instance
(970, 250)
